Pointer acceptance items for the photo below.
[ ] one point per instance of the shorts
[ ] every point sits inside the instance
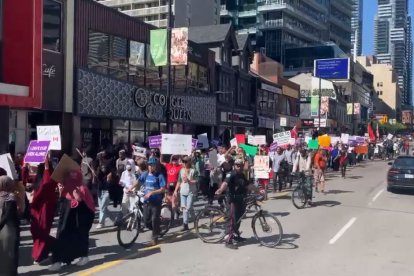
(171, 188)
(319, 176)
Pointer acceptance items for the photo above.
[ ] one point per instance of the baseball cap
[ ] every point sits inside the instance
(152, 161)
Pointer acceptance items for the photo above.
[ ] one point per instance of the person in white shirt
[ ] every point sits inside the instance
(127, 180)
(289, 156)
(303, 165)
(277, 159)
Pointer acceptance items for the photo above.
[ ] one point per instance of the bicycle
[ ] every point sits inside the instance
(130, 225)
(214, 220)
(302, 194)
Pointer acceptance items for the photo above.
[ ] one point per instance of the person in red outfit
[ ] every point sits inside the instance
(42, 211)
(173, 170)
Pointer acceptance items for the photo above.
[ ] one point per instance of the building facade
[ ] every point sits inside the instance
(356, 25)
(392, 42)
(186, 12)
(275, 25)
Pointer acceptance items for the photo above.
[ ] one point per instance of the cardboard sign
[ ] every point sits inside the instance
(241, 138)
(6, 162)
(212, 158)
(154, 141)
(250, 139)
(37, 152)
(233, 142)
(203, 141)
(138, 151)
(250, 150)
(324, 141)
(179, 144)
(260, 140)
(344, 138)
(282, 138)
(313, 144)
(66, 165)
(261, 166)
(52, 134)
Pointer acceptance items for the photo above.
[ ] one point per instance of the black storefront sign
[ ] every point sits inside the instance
(52, 82)
(307, 123)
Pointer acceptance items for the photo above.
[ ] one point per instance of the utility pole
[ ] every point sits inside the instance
(170, 25)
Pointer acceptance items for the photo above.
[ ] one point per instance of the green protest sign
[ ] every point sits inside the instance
(313, 144)
(250, 150)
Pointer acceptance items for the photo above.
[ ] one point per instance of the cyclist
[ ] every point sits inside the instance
(303, 165)
(153, 184)
(236, 184)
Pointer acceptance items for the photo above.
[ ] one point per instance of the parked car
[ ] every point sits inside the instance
(401, 173)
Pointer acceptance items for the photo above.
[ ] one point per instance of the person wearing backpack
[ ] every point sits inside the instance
(153, 184)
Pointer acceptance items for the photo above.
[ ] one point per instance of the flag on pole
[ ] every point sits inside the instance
(371, 133)
(158, 47)
(294, 132)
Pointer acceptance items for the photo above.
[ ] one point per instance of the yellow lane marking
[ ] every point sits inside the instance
(110, 264)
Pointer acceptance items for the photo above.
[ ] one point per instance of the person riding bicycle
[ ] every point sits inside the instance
(236, 185)
(303, 165)
(153, 184)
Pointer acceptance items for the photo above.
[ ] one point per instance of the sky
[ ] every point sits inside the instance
(370, 9)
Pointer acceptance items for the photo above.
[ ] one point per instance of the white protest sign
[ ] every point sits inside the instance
(176, 144)
(281, 138)
(344, 138)
(335, 140)
(203, 140)
(292, 141)
(261, 166)
(390, 136)
(6, 162)
(250, 139)
(233, 142)
(259, 140)
(212, 158)
(52, 134)
(138, 151)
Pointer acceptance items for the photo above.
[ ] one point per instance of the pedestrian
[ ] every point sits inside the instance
(319, 170)
(153, 184)
(104, 181)
(216, 178)
(289, 159)
(199, 167)
(173, 171)
(343, 162)
(77, 211)
(187, 187)
(335, 160)
(127, 181)
(9, 228)
(303, 165)
(121, 163)
(42, 210)
(278, 171)
(87, 171)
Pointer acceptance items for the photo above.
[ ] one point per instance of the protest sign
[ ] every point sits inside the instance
(66, 164)
(52, 134)
(360, 140)
(261, 166)
(324, 141)
(390, 136)
(37, 152)
(250, 150)
(6, 162)
(154, 141)
(194, 143)
(138, 151)
(361, 149)
(344, 138)
(177, 144)
(335, 140)
(241, 138)
(273, 147)
(250, 139)
(212, 158)
(203, 141)
(292, 141)
(260, 140)
(282, 138)
(233, 142)
(215, 142)
(313, 144)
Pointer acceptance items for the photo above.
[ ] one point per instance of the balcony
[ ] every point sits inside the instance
(294, 11)
(340, 41)
(247, 10)
(147, 11)
(341, 24)
(341, 6)
(271, 24)
(297, 31)
(118, 3)
(162, 23)
(247, 30)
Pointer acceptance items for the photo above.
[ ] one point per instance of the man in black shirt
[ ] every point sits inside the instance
(237, 185)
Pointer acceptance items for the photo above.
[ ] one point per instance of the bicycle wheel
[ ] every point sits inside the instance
(128, 230)
(267, 229)
(210, 225)
(299, 197)
(166, 219)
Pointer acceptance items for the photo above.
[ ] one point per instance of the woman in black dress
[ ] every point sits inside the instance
(9, 228)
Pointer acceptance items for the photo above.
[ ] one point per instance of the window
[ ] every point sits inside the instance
(98, 52)
(52, 25)
(118, 57)
(137, 63)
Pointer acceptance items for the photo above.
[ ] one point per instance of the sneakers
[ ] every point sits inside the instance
(185, 227)
(55, 267)
(82, 261)
(231, 245)
(100, 226)
(154, 242)
(239, 239)
(35, 263)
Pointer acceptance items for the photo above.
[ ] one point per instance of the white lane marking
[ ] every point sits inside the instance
(377, 195)
(342, 231)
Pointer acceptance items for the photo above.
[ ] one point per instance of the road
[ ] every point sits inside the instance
(357, 228)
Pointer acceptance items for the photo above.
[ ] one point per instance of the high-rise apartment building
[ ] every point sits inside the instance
(186, 12)
(275, 25)
(393, 41)
(356, 24)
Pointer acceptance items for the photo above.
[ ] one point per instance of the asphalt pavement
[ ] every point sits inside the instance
(356, 228)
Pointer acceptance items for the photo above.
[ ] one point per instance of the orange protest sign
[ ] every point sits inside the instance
(324, 141)
(361, 149)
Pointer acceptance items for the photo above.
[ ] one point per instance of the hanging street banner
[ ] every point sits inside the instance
(158, 47)
(332, 69)
(179, 46)
(357, 108)
(314, 106)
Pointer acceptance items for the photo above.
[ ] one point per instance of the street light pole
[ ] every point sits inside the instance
(169, 27)
(320, 102)
(232, 112)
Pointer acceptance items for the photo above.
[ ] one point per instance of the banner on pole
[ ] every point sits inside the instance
(158, 46)
(179, 46)
(314, 106)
